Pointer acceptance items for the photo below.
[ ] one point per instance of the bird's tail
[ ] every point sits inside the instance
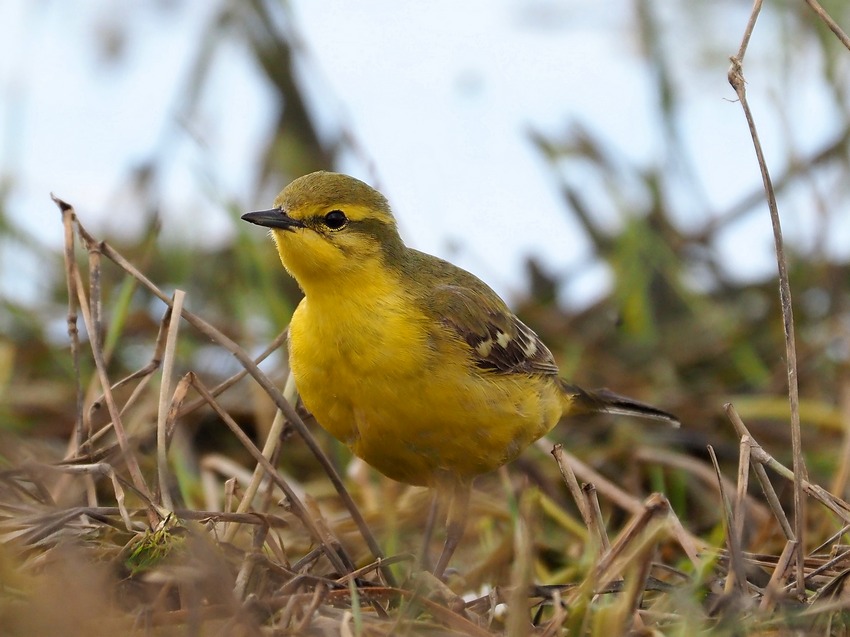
(581, 401)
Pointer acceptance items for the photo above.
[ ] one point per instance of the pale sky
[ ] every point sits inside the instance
(439, 95)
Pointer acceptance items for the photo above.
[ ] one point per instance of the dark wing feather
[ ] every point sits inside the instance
(498, 340)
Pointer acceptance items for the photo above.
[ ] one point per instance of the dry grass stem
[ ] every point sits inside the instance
(736, 578)
(572, 484)
(271, 444)
(94, 328)
(703, 471)
(828, 21)
(165, 398)
(611, 491)
(294, 502)
(736, 79)
(838, 506)
(773, 588)
(739, 512)
(80, 434)
(597, 524)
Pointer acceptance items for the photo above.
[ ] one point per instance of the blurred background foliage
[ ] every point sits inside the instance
(679, 326)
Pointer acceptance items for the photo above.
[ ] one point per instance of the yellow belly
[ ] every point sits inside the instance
(414, 407)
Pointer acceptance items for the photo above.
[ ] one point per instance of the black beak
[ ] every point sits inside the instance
(275, 218)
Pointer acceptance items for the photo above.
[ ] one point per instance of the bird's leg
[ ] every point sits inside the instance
(431, 520)
(455, 524)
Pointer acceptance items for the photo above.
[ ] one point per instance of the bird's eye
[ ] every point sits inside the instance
(335, 219)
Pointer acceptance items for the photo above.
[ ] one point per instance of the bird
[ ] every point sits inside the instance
(415, 364)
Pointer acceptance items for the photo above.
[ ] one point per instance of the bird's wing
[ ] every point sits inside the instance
(497, 339)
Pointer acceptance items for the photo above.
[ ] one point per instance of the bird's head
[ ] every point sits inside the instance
(328, 226)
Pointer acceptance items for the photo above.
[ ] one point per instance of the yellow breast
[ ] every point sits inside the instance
(402, 394)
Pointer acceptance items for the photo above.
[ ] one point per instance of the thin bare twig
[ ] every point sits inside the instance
(271, 444)
(165, 399)
(610, 566)
(761, 474)
(835, 504)
(102, 469)
(597, 527)
(297, 506)
(736, 576)
(773, 587)
(698, 469)
(736, 79)
(636, 585)
(73, 332)
(691, 543)
(569, 478)
(94, 330)
(828, 21)
(227, 383)
(739, 511)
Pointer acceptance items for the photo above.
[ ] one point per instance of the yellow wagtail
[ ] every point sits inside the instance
(413, 363)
